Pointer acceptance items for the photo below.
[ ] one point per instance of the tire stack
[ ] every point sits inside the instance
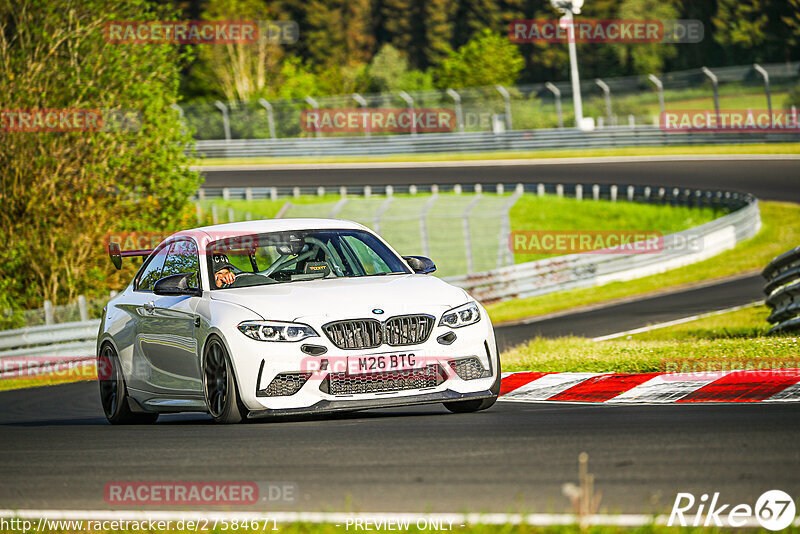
(783, 291)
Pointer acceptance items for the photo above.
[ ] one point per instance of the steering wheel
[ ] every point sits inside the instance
(245, 279)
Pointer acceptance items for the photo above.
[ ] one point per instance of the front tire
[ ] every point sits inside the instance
(114, 392)
(219, 384)
(477, 405)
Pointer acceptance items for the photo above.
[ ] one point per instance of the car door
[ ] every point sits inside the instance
(167, 335)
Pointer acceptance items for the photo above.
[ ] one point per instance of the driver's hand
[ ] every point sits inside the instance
(224, 276)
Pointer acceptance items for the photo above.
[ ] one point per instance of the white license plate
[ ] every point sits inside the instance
(381, 363)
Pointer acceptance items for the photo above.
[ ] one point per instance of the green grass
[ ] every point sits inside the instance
(78, 374)
(734, 340)
(553, 213)
(779, 233)
(772, 148)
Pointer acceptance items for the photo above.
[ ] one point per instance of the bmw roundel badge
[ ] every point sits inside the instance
(377, 311)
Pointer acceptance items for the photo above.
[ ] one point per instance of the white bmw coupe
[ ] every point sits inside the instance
(293, 316)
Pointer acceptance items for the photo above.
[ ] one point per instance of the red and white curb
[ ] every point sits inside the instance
(760, 385)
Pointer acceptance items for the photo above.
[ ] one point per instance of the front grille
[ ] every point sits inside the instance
(284, 384)
(356, 334)
(346, 384)
(370, 333)
(408, 329)
(469, 368)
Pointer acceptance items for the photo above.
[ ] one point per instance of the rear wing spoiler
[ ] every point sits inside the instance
(116, 254)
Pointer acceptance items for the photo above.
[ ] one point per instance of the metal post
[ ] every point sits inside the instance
(557, 94)
(83, 309)
(507, 99)
(270, 118)
(379, 214)
(466, 231)
(607, 96)
(363, 103)
(423, 221)
(660, 86)
(48, 313)
(763, 72)
(181, 115)
(715, 85)
(410, 101)
(314, 104)
(459, 116)
(226, 124)
(504, 252)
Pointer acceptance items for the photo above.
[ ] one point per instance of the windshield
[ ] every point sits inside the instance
(280, 257)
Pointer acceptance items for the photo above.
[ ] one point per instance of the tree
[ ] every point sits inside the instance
(239, 71)
(389, 71)
(63, 191)
(646, 58)
(487, 59)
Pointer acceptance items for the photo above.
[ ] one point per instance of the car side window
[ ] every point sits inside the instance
(182, 258)
(152, 271)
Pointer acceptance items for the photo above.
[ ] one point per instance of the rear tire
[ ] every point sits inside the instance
(114, 392)
(219, 384)
(477, 405)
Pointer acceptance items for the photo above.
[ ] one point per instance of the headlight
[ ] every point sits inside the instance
(276, 330)
(462, 316)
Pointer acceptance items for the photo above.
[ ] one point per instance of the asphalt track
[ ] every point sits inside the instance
(636, 313)
(59, 453)
(767, 179)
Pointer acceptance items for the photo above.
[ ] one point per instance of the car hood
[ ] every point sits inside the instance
(330, 299)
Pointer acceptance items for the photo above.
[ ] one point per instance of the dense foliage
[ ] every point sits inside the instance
(344, 45)
(63, 191)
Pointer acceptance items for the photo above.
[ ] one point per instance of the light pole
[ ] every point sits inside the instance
(570, 8)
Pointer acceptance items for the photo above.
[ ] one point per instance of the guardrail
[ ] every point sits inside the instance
(50, 345)
(517, 140)
(783, 291)
(584, 270)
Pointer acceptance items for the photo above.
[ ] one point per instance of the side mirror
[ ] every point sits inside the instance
(115, 254)
(420, 264)
(175, 285)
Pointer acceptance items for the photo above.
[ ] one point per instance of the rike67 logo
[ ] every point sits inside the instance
(773, 510)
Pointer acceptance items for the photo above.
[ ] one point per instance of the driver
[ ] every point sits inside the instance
(223, 270)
